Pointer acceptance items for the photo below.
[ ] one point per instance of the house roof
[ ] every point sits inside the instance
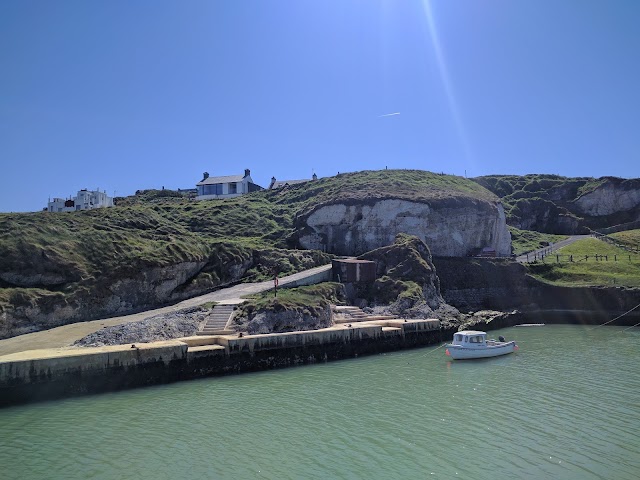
(282, 183)
(227, 179)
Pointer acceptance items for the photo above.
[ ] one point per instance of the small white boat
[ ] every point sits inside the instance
(473, 344)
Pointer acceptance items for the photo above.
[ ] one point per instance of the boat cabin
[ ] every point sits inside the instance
(470, 338)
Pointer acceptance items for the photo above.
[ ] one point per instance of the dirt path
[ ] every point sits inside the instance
(67, 334)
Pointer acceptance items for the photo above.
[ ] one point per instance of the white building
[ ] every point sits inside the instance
(84, 200)
(225, 187)
(286, 183)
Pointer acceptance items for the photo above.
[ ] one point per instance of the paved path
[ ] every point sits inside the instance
(528, 257)
(67, 334)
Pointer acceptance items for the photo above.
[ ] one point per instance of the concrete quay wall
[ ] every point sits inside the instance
(48, 374)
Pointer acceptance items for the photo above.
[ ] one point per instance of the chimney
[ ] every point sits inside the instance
(205, 175)
(247, 172)
(273, 181)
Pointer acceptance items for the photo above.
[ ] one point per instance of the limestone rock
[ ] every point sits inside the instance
(287, 321)
(612, 196)
(451, 227)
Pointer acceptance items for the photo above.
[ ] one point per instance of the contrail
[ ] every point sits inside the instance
(389, 114)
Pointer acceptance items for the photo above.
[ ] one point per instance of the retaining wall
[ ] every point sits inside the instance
(478, 284)
(47, 374)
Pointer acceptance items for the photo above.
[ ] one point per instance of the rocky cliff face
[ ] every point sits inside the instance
(561, 205)
(145, 288)
(612, 196)
(287, 321)
(451, 227)
(129, 290)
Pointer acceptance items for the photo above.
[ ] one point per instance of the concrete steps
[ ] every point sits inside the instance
(217, 321)
(349, 314)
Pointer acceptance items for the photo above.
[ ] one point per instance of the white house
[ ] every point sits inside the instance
(84, 200)
(285, 183)
(225, 187)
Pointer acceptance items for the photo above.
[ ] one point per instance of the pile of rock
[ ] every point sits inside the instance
(181, 323)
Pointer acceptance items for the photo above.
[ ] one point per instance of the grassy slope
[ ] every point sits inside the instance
(552, 195)
(308, 300)
(92, 248)
(588, 271)
(524, 241)
(630, 238)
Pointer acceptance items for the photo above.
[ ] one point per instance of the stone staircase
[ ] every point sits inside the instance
(216, 322)
(349, 314)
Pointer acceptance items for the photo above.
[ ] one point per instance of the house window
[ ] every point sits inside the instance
(215, 189)
(233, 188)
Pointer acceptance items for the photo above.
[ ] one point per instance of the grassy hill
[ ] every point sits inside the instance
(630, 238)
(161, 246)
(547, 203)
(524, 241)
(590, 262)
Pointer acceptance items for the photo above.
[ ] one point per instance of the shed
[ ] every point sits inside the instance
(352, 270)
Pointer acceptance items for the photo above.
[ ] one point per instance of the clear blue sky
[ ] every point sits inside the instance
(126, 95)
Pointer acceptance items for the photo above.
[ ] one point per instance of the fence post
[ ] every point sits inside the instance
(615, 258)
(557, 258)
(571, 258)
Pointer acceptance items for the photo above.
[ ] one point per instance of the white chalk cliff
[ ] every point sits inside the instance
(452, 227)
(609, 198)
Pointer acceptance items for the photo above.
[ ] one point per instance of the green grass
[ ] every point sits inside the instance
(309, 300)
(524, 241)
(585, 270)
(548, 202)
(630, 238)
(80, 254)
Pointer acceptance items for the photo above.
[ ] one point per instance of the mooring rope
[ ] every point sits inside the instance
(628, 328)
(437, 348)
(619, 316)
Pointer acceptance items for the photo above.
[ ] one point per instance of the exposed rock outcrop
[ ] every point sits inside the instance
(407, 283)
(612, 196)
(451, 227)
(561, 205)
(182, 323)
(286, 321)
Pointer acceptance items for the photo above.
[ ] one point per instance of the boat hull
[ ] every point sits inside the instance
(460, 352)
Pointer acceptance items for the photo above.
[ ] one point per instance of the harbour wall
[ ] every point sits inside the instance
(39, 375)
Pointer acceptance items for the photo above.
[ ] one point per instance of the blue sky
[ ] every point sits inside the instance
(126, 95)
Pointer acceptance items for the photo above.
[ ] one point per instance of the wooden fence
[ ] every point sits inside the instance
(558, 258)
(613, 241)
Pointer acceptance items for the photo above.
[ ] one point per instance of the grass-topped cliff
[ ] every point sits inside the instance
(160, 246)
(564, 205)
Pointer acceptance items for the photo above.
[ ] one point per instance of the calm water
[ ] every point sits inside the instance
(567, 405)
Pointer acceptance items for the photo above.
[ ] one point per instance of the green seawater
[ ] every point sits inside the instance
(565, 406)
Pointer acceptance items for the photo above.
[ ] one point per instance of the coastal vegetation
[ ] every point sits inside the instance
(561, 205)
(589, 262)
(523, 241)
(160, 246)
(630, 238)
(306, 300)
